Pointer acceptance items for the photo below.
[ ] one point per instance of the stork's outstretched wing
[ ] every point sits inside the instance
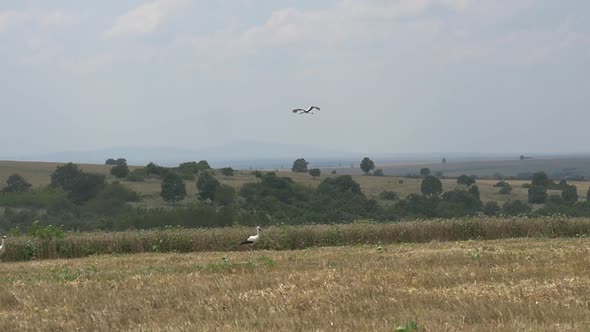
(298, 110)
(311, 108)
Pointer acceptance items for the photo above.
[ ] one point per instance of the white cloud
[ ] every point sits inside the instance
(345, 22)
(147, 17)
(12, 18)
(132, 55)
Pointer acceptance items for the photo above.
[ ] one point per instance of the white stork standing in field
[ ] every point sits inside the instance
(251, 240)
(2, 246)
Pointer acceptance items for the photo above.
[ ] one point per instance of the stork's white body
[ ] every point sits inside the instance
(251, 240)
(2, 245)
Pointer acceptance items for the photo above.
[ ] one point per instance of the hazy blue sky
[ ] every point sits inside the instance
(389, 75)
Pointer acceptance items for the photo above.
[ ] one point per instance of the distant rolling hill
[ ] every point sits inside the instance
(557, 168)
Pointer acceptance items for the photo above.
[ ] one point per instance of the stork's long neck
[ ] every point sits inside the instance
(2, 244)
(257, 231)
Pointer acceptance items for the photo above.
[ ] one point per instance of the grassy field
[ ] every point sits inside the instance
(502, 285)
(39, 175)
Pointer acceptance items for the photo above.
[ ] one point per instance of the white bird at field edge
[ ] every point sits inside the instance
(2, 245)
(251, 240)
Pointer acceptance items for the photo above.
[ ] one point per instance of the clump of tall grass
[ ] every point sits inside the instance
(176, 239)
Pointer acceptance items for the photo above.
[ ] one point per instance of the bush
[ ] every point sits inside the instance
(16, 184)
(173, 188)
(491, 209)
(515, 207)
(537, 194)
(465, 180)
(137, 175)
(378, 172)
(227, 171)
(505, 190)
(207, 185)
(502, 184)
(120, 171)
(431, 186)
(388, 195)
(300, 165)
(224, 195)
(315, 172)
(526, 185)
(570, 194)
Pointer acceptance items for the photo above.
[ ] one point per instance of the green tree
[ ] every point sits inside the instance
(121, 170)
(424, 172)
(224, 195)
(207, 185)
(444, 160)
(474, 190)
(173, 188)
(431, 186)
(465, 180)
(505, 190)
(227, 171)
(64, 176)
(315, 172)
(340, 184)
(153, 169)
(203, 165)
(16, 184)
(515, 207)
(300, 165)
(540, 179)
(570, 194)
(85, 187)
(367, 165)
(491, 209)
(111, 162)
(537, 194)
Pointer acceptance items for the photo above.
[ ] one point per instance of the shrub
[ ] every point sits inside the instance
(300, 165)
(501, 184)
(388, 195)
(207, 185)
(505, 190)
(16, 184)
(465, 180)
(315, 172)
(227, 171)
(515, 207)
(537, 194)
(120, 170)
(491, 209)
(570, 194)
(137, 175)
(431, 186)
(378, 172)
(526, 185)
(173, 188)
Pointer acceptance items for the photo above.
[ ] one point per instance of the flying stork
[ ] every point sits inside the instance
(302, 111)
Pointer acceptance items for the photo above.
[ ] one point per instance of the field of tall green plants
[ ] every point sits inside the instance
(49, 242)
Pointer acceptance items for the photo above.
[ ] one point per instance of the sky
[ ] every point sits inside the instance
(390, 76)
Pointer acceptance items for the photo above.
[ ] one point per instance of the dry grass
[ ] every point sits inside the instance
(507, 285)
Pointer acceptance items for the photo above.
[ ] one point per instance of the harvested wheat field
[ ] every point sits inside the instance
(507, 285)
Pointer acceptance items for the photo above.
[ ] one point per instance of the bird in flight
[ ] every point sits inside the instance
(302, 111)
